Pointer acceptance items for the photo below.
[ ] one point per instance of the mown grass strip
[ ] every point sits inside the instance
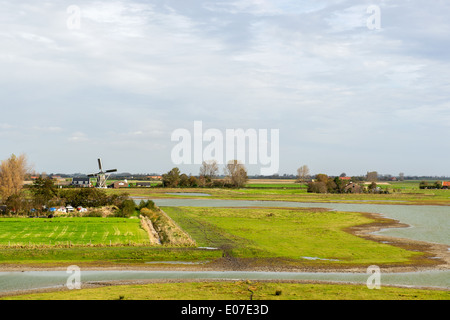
(101, 255)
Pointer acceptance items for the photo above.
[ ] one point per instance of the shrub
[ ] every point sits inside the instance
(93, 214)
(317, 187)
(149, 204)
(127, 207)
(152, 215)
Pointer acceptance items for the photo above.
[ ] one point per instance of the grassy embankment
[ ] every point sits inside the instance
(239, 290)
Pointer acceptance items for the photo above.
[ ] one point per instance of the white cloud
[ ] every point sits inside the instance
(135, 71)
(49, 129)
(78, 137)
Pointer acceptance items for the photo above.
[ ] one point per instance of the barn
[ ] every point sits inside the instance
(81, 182)
(118, 184)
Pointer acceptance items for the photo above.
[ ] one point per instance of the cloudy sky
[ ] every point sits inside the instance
(352, 86)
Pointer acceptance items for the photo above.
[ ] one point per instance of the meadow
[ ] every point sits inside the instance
(297, 236)
(273, 237)
(71, 231)
(238, 290)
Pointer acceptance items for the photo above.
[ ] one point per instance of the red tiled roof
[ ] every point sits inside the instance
(446, 183)
(345, 178)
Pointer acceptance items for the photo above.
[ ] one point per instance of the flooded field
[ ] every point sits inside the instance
(10, 281)
(427, 223)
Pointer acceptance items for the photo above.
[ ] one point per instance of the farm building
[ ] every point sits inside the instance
(81, 182)
(118, 184)
(353, 188)
(143, 184)
(446, 184)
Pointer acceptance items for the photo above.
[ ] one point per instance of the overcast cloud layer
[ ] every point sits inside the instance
(345, 97)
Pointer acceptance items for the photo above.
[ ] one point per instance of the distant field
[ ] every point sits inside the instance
(75, 230)
(409, 194)
(275, 185)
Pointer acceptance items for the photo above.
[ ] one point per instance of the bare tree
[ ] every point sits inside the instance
(12, 176)
(236, 173)
(302, 173)
(209, 169)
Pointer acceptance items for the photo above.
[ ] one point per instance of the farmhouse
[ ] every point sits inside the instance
(353, 188)
(118, 184)
(81, 182)
(445, 184)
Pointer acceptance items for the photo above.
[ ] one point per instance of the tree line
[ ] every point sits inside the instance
(235, 176)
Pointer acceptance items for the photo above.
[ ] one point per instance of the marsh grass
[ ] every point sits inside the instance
(239, 290)
(296, 234)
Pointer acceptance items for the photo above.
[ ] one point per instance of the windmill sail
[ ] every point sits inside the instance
(102, 176)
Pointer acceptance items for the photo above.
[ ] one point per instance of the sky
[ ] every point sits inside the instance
(351, 86)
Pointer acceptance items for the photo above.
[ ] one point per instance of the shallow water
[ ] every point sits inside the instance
(10, 281)
(189, 194)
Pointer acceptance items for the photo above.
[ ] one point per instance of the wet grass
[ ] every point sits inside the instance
(287, 233)
(239, 290)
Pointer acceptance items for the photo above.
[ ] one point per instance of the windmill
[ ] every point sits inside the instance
(101, 176)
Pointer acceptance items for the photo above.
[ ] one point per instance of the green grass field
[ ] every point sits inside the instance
(293, 235)
(239, 290)
(101, 256)
(72, 230)
(296, 234)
